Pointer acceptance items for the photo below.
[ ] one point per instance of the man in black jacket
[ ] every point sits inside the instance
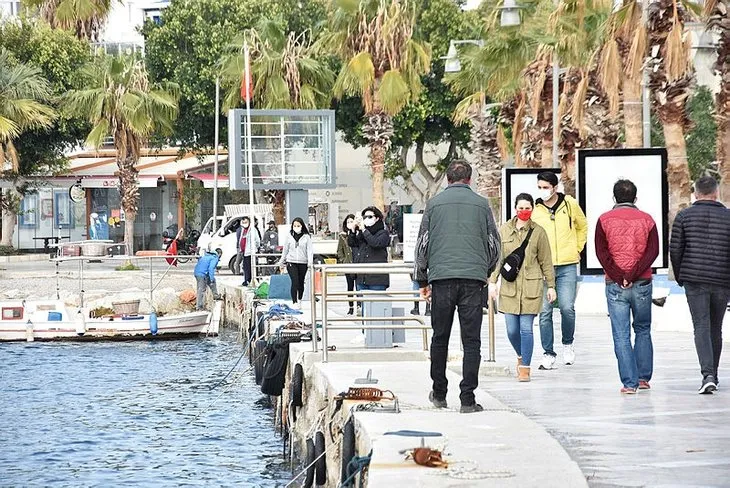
(458, 247)
(700, 254)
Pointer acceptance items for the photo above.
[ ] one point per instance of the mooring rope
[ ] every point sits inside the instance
(334, 444)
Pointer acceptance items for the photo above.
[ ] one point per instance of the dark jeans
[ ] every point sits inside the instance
(351, 286)
(297, 273)
(707, 304)
(246, 260)
(637, 362)
(446, 297)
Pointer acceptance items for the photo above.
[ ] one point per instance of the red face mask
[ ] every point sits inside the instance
(524, 215)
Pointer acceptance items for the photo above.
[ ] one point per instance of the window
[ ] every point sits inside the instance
(12, 313)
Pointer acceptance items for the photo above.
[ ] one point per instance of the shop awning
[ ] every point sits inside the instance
(208, 180)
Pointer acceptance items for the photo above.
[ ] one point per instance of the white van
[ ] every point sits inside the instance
(225, 240)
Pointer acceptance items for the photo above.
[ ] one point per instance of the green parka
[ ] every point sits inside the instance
(524, 295)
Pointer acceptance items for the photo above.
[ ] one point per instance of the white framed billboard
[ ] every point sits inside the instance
(520, 180)
(599, 169)
(411, 226)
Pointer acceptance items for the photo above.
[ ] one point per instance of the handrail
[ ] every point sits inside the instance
(373, 296)
(361, 296)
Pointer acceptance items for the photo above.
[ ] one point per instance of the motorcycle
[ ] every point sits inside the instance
(188, 246)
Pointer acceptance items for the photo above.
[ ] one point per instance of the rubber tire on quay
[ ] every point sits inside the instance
(309, 480)
(348, 447)
(232, 265)
(292, 408)
(297, 382)
(320, 466)
(259, 359)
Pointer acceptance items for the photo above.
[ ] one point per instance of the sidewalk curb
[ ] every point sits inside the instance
(23, 258)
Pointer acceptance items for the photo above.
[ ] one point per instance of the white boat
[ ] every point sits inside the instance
(52, 320)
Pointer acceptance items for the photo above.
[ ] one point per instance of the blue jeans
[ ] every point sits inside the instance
(635, 363)
(519, 333)
(566, 283)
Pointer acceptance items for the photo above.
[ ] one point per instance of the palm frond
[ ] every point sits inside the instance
(357, 77)
(393, 92)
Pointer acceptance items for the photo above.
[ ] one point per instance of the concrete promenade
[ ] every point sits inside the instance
(568, 427)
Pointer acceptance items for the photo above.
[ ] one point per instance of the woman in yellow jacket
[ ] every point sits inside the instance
(521, 300)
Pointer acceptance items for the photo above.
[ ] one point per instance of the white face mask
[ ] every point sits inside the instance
(297, 229)
(245, 225)
(369, 221)
(544, 193)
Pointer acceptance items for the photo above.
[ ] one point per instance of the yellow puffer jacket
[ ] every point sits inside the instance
(567, 228)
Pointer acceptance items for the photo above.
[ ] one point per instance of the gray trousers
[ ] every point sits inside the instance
(203, 283)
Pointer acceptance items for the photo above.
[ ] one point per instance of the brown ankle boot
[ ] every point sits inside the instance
(524, 374)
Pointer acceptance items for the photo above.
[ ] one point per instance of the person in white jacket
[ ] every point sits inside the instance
(297, 255)
(248, 241)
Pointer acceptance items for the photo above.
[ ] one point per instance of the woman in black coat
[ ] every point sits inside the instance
(369, 244)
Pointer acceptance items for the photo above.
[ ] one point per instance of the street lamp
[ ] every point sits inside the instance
(452, 64)
(510, 15)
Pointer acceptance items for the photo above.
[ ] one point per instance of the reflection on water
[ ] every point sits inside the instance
(110, 414)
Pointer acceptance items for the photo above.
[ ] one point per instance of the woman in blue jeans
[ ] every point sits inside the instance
(521, 300)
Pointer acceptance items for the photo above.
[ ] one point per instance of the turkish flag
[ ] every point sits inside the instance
(172, 251)
(247, 83)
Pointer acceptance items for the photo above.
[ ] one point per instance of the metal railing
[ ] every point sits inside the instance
(373, 296)
(361, 296)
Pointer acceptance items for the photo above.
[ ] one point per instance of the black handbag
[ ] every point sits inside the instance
(512, 263)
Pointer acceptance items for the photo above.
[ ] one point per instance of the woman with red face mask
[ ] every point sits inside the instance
(521, 300)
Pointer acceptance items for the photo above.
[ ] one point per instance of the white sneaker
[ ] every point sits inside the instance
(548, 362)
(568, 354)
(298, 306)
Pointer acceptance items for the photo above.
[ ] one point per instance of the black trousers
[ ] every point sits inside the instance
(297, 273)
(707, 304)
(351, 286)
(447, 296)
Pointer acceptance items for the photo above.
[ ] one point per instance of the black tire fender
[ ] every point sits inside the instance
(320, 466)
(297, 383)
(309, 462)
(348, 447)
(259, 357)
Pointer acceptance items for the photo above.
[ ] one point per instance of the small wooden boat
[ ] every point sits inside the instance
(50, 320)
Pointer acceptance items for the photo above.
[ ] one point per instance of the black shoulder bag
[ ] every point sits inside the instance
(512, 263)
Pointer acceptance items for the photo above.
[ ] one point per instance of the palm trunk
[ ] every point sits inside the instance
(677, 169)
(723, 152)
(377, 162)
(632, 112)
(377, 130)
(278, 208)
(547, 152)
(129, 192)
(10, 206)
(488, 162)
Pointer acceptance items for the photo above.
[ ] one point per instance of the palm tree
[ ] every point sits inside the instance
(23, 91)
(382, 64)
(120, 102)
(83, 17)
(716, 12)
(287, 74)
(671, 80)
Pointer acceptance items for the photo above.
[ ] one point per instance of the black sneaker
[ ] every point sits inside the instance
(437, 402)
(708, 386)
(471, 408)
(415, 311)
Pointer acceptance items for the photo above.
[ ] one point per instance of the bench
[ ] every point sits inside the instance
(48, 239)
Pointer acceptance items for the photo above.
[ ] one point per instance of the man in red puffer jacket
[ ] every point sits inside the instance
(627, 243)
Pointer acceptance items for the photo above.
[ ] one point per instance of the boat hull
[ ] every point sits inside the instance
(31, 323)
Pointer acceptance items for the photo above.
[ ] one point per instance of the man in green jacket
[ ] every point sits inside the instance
(458, 247)
(567, 230)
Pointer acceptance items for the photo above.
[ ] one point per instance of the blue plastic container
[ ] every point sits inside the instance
(55, 316)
